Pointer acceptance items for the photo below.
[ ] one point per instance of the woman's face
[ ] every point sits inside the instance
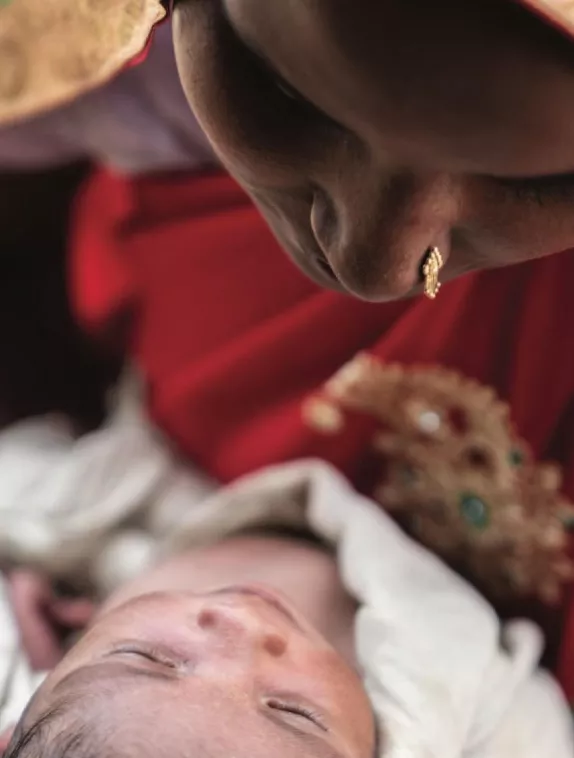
(369, 131)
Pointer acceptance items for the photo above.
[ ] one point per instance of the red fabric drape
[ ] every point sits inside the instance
(233, 338)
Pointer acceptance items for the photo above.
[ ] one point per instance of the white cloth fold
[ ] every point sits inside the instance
(445, 678)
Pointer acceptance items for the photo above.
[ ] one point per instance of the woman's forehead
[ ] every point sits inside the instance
(480, 85)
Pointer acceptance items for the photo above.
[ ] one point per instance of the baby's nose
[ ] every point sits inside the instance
(237, 631)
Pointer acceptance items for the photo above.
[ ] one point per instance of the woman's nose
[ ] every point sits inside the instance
(238, 631)
(375, 233)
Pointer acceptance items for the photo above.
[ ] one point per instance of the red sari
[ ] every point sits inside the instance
(234, 340)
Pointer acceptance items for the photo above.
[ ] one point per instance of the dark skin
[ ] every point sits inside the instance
(369, 131)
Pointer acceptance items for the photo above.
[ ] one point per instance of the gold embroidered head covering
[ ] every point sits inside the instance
(51, 51)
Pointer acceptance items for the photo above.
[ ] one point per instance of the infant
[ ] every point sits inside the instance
(289, 616)
(242, 648)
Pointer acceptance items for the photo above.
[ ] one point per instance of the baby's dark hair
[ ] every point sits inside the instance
(82, 726)
(55, 735)
(47, 739)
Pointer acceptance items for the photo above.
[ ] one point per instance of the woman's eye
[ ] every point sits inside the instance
(298, 710)
(288, 91)
(541, 190)
(267, 75)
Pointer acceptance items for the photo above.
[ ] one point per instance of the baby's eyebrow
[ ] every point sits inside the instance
(92, 673)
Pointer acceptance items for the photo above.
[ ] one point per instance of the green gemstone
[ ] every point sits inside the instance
(516, 457)
(474, 510)
(568, 522)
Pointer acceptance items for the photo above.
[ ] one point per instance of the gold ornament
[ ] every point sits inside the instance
(457, 476)
(431, 268)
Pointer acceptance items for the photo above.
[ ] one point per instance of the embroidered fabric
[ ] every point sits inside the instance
(52, 51)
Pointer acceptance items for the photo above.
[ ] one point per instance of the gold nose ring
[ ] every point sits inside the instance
(432, 265)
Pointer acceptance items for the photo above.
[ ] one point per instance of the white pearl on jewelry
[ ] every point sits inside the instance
(429, 422)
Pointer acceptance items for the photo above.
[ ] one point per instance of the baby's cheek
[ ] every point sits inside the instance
(353, 706)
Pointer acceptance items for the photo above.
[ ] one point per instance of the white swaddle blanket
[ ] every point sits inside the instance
(446, 680)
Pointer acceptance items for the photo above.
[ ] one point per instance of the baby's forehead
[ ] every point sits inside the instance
(142, 716)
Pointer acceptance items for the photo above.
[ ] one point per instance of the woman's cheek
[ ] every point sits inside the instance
(258, 133)
(503, 227)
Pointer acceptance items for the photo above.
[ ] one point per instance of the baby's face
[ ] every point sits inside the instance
(234, 672)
